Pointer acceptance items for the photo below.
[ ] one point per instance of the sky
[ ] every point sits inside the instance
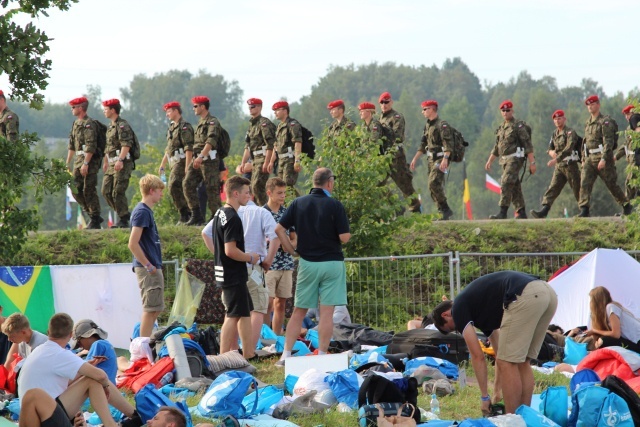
(281, 49)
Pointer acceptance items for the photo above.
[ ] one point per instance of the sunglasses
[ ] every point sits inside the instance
(384, 102)
(506, 110)
(426, 108)
(196, 106)
(251, 107)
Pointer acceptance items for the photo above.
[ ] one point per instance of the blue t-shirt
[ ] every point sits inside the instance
(109, 365)
(142, 216)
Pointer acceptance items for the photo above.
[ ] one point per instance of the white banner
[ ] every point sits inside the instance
(108, 294)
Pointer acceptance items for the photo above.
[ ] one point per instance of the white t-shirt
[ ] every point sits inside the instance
(25, 348)
(49, 367)
(629, 325)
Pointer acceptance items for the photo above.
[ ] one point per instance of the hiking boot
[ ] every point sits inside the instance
(521, 214)
(185, 215)
(584, 212)
(196, 218)
(500, 215)
(627, 209)
(133, 421)
(542, 213)
(95, 222)
(123, 222)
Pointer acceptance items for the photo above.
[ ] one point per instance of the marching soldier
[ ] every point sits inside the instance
(179, 154)
(259, 145)
(513, 144)
(9, 122)
(340, 121)
(118, 164)
(563, 149)
(628, 151)
(400, 172)
(288, 145)
(83, 148)
(372, 127)
(599, 139)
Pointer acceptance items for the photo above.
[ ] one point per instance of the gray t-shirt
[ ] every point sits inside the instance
(25, 348)
(629, 325)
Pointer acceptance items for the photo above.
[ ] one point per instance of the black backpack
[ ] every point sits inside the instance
(622, 389)
(308, 147)
(224, 145)
(208, 340)
(459, 144)
(378, 389)
(101, 138)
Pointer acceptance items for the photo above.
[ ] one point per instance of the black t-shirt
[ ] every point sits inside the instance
(484, 300)
(318, 220)
(227, 227)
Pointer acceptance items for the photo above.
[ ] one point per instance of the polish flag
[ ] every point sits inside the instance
(110, 220)
(492, 184)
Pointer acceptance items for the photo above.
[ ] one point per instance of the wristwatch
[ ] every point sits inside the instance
(85, 163)
(201, 156)
(120, 160)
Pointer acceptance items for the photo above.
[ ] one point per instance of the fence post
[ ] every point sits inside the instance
(452, 262)
(457, 273)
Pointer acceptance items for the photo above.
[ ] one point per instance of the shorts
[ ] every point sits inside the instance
(257, 291)
(324, 282)
(525, 321)
(280, 283)
(151, 289)
(59, 418)
(237, 301)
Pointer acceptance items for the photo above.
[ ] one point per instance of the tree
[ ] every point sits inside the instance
(22, 60)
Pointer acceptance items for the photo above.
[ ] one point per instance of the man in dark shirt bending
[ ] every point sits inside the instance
(323, 227)
(514, 310)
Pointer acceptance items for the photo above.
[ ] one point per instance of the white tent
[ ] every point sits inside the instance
(612, 268)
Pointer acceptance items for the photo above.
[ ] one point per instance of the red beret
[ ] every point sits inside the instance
(254, 101)
(625, 110)
(429, 103)
(506, 105)
(78, 101)
(557, 113)
(1, 92)
(200, 99)
(279, 104)
(110, 102)
(366, 106)
(591, 100)
(172, 104)
(384, 96)
(336, 103)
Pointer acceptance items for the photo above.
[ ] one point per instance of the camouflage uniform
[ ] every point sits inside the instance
(260, 138)
(599, 139)
(513, 144)
(9, 125)
(288, 133)
(209, 132)
(627, 151)
(180, 138)
(400, 172)
(565, 143)
(83, 138)
(115, 183)
(338, 126)
(436, 139)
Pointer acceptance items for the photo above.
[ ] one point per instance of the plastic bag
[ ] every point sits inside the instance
(188, 296)
(345, 387)
(310, 380)
(534, 418)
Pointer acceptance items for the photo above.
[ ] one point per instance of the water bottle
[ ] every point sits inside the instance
(163, 177)
(435, 405)
(437, 166)
(166, 379)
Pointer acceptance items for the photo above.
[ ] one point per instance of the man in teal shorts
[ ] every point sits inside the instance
(323, 227)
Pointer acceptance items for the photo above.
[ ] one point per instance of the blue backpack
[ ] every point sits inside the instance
(149, 399)
(596, 406)
(225, 394)
(554, 405)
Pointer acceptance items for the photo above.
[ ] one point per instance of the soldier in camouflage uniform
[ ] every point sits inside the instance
(437, 143)
(513, 143)
(372, 128)
(84, 149)
(288, 146)
(9, 122)
(340, 122)
(260, 139)
(563, 149)
(179, 154)
(206, 164)
(118, 164)
(599, 140)
(400, 172)
(628, 151)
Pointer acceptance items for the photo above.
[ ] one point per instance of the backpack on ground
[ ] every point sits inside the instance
(101, 139)
(599, 407)
(153, 375)
(149, 400)
(430, 342)
(459, 144)
(224, 144)
(308, 147)
(225, 394)
(377, 389)
(208, 340)
(622, 389)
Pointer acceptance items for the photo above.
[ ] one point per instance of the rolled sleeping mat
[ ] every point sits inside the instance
(176, 352)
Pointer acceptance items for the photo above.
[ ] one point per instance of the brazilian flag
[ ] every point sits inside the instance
(28, 290)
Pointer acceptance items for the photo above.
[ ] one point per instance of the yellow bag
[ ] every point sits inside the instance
(188, 296)
(396, 420)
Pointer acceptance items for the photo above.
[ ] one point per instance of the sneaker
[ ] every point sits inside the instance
(280, 363)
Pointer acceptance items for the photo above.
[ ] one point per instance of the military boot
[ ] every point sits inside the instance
(185, 215)
(542, 213)
(521, 214)
(584, 212)
(627, 209)
(502, 214)
(124, 221)
(446, 213)
(196, 217)
(95, 222)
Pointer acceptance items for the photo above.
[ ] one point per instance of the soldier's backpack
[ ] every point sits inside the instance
(135, 150)
(101, 139)
(459, 144)
(224, 145)
(308, 147)
(615, 130)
